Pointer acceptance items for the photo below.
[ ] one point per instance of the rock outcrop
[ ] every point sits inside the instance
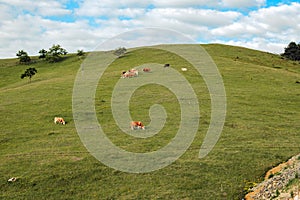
(276, 180)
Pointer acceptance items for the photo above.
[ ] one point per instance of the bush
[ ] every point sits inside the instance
(248, 185)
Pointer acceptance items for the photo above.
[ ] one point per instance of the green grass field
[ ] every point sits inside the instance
(261, 130)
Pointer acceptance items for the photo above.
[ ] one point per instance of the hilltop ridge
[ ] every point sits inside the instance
(50, 161)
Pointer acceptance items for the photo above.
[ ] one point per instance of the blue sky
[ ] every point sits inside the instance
(267, 25)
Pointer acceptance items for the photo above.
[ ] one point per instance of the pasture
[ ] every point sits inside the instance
(50, 162)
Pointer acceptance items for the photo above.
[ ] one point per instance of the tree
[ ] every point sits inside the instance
(292, 52)
(55, 52)
(30, 72)
(80, 52)
(120, 51)
(23, 56)
(42, 53)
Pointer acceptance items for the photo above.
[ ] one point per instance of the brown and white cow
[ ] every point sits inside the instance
(59, 120)
(130, 73)
(136, 125)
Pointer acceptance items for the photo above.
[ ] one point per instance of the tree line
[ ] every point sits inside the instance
(54, 54)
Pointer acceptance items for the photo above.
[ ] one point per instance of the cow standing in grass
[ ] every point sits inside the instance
(137, 125)
(59, 120)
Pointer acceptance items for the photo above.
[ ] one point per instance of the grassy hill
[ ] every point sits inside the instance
(261, 129)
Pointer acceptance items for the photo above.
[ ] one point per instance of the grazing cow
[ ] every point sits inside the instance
(124, 74)
(184, 69)
(136, 125)
(167, 65)
(13, 179)
(59, 120)
(134, 71)
(147, 69)
(130, 73)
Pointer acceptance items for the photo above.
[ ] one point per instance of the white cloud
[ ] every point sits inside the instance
(5, 12)
(271, 25)
(43, 8)
(110, 8)
(198, 17)
(51, 8)
(243, 3)
(28, 26)
(33, 33)
(184, 4)
(211, 3)
(192, 22)
(278, 18)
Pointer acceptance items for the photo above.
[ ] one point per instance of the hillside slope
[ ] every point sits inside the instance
(50, 162)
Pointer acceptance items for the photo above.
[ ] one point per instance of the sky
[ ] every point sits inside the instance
(29, 25)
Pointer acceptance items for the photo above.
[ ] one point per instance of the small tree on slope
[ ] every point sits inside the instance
(30, 72)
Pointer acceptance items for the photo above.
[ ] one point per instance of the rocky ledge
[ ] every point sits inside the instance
(276, 181)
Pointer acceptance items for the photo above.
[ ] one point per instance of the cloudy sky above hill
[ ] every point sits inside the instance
(267, 25)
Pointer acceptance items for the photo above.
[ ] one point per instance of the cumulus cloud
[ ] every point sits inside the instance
(278, 18)
(211, 3)
(200, 17)
(28, 26)
(243, 3)
(186, 3)
(33, 33)
(43, 8)
(110, 8)
(5, 12)
(267, 25)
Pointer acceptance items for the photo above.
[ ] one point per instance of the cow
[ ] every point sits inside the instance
(134, 71)
(184, 69)
(136, 125)
(13, 179)
(167, 65)
(147, 69)
(130, 73)
(59, 120)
